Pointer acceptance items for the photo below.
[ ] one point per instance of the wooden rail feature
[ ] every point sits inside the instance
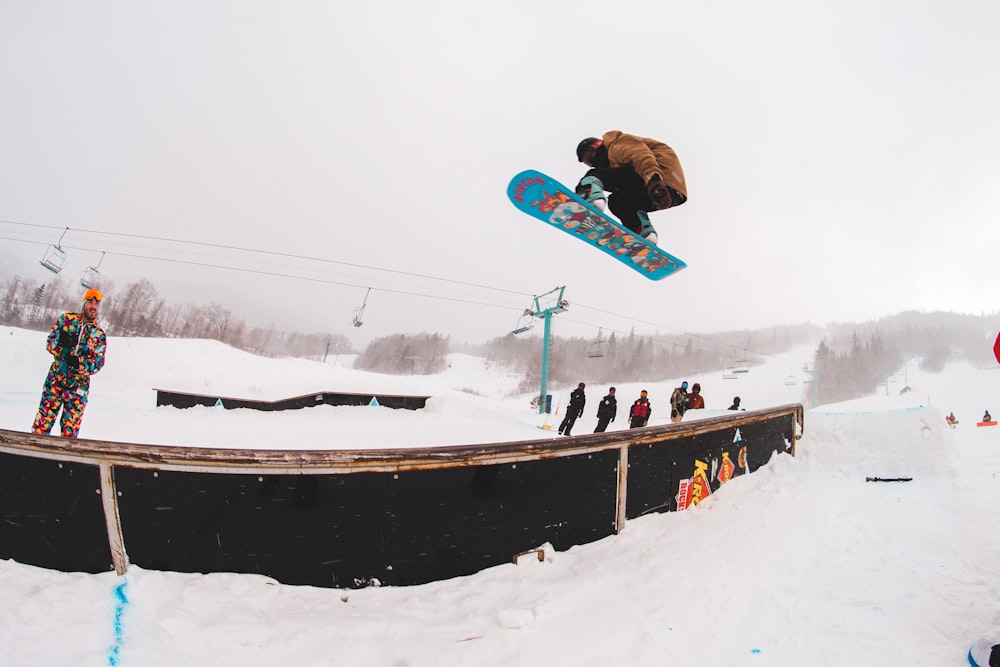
(179, 399)
(349, 518)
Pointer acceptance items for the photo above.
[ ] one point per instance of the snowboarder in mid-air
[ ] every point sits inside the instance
(641, 174)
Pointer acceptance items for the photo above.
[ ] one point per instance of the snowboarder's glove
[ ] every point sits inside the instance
(659, 192)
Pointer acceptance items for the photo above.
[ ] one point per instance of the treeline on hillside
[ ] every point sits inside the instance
(138, 310)
(399, 354)
(631, 357)
(855, 359)
(852, 359)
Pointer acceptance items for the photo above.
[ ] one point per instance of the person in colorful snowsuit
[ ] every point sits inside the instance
(607, 410)
(640, 411)
(678, 402)
(642, 175)
(575, 408)
(78, 345)
(695, 401)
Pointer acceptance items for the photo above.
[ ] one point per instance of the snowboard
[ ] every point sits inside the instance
(550, 201)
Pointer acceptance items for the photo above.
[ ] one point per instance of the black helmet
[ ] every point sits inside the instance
(589, 142)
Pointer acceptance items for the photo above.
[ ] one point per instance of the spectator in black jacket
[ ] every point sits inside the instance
(606, 411)
(575, 408)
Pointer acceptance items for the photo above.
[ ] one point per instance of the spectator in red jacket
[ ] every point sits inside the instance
(695, 401)
(638, 414)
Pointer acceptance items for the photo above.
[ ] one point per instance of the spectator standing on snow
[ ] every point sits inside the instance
(607, 410)
(640, 411)
(575, 408)
(78, 346)
(678, 402)
(695, 401)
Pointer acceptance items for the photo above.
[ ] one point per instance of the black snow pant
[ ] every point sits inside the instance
(602, 424)
(628, 195)
(567, 423)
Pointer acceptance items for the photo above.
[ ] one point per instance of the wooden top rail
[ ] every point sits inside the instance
(336, 461)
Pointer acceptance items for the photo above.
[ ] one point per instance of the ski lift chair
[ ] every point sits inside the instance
(360, 311)
(55, 257)
(524, 323)
(595, 350)
(729, 375)
(91, 275)
(791, 380)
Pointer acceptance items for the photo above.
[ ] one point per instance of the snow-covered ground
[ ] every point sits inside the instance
(803, 562)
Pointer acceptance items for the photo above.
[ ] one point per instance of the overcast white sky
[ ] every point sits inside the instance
(841, 158)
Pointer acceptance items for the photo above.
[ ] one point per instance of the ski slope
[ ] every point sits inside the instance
(803, 562)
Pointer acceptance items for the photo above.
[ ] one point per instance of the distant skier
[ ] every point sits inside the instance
(640, 411)
(642, 175)
(607, 410)
(736, 404)
(986, 417)
(575, 408)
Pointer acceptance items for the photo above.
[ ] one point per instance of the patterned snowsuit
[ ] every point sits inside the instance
(78, 348)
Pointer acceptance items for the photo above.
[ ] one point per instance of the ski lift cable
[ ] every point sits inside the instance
(353, 265)
(277, 254)
(319, 280)
(283, 275)
(401, 292)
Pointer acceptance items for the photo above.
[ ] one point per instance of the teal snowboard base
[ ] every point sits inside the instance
(550, 201)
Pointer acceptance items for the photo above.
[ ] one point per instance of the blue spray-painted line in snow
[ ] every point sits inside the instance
(121, 602)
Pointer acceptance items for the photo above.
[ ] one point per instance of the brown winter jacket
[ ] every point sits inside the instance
(647, 157)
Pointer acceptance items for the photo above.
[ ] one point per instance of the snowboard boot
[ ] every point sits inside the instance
(647, 231)
(591, 189)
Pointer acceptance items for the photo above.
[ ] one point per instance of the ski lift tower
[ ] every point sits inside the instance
(545, 306)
